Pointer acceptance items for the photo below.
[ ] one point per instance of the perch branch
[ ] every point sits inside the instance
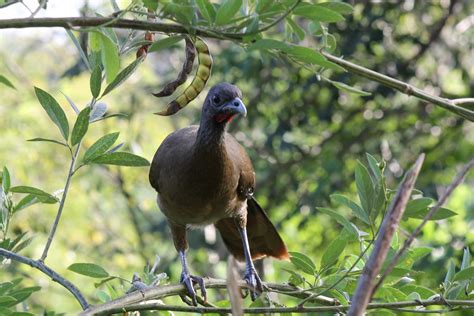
(173, 290)
(39, 265)
(458, 180)
(366, 283)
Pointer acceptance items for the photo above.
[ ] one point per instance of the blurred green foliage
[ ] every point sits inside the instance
(304, 137)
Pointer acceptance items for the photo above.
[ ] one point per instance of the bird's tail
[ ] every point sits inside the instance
(263, 237)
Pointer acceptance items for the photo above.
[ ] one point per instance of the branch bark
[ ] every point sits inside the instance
(56, 277)
(366, 283)
(154, 293)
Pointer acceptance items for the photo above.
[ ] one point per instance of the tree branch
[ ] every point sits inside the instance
(39, 265)
(113, 22)
(450, 105)
(458, 180)
(154, 293)
(366, 283)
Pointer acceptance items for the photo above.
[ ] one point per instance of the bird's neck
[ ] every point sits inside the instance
(210, 134)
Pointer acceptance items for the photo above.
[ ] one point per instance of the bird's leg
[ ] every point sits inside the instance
(181, 244)
(251, 275)
(188, 279)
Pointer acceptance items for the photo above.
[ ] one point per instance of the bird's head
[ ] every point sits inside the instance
(222, 103)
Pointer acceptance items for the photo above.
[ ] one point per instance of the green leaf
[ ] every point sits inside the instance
(81, 126)
(466, 259)
(89, 269)
(96, 81)
(164, 43)
(333, 251)
(365, 188)
(417, 206)
(267, 44)
(341, 220)
(94, 41)
(123, 75)
(302, 262)
(103, 296)
(36, 192)
(374, 166)
(76, 43)
(316, 12)
(449, 274)
(6, 182)
(422, 291)
(55, 113)
(296, 28)
(227, 11)
(151, 4)
(465, 274)
(207, 10)
(6, 300)
(339, 7)
(28, 200)
(356, 209)
(110, 57)
(6, 82)
(100, 146)
(344, 87)
(121, 159)
(98, 112)
(295, 278)
(39, 139)
(305, 54)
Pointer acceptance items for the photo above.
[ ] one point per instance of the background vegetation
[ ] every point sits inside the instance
(303, 134)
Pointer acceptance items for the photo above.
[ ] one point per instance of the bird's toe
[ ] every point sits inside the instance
(202, 286)
(188, 283)
(253, 280)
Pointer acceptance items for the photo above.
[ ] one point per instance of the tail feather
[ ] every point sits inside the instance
(263, 237)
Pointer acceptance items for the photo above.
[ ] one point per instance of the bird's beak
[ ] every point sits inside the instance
(235, 106)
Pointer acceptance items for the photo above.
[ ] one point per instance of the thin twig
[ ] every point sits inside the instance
(458, 180)
(41, 5)
(61, 203)
(37, 264)
(366, 283)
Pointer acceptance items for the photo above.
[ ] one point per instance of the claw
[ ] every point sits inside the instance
(254, 281)
(188, 281)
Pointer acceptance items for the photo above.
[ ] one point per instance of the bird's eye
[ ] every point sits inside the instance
(216, 99)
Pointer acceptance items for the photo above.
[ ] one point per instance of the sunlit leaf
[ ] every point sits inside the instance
(6, 82)
(207, 10)
(164, 43)
(344, 87)
(466, 259)
(339, 7)
(54, 111)
(100, 146)
(227, 11)
(365, 188)
(89, 269)
(81, 126)
(317, 12)
(302, 262)
(121, 159)
(123, 75)
(356, 209)
(341, 220)
(151, 4)
(40, 139)
(34, 191)
(110, 57)
(96, 81)
(333, 251)
(466, 274)
(6, 182)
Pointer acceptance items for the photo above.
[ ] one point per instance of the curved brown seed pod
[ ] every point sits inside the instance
(183, 75)
(199, 82)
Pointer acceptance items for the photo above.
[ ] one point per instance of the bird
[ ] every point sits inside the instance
(203, 176)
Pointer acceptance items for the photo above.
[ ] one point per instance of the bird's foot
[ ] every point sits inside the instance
(188, 281)
(254, 281)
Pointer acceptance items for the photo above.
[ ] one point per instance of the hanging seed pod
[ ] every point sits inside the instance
(183, 75)
(199, 81)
